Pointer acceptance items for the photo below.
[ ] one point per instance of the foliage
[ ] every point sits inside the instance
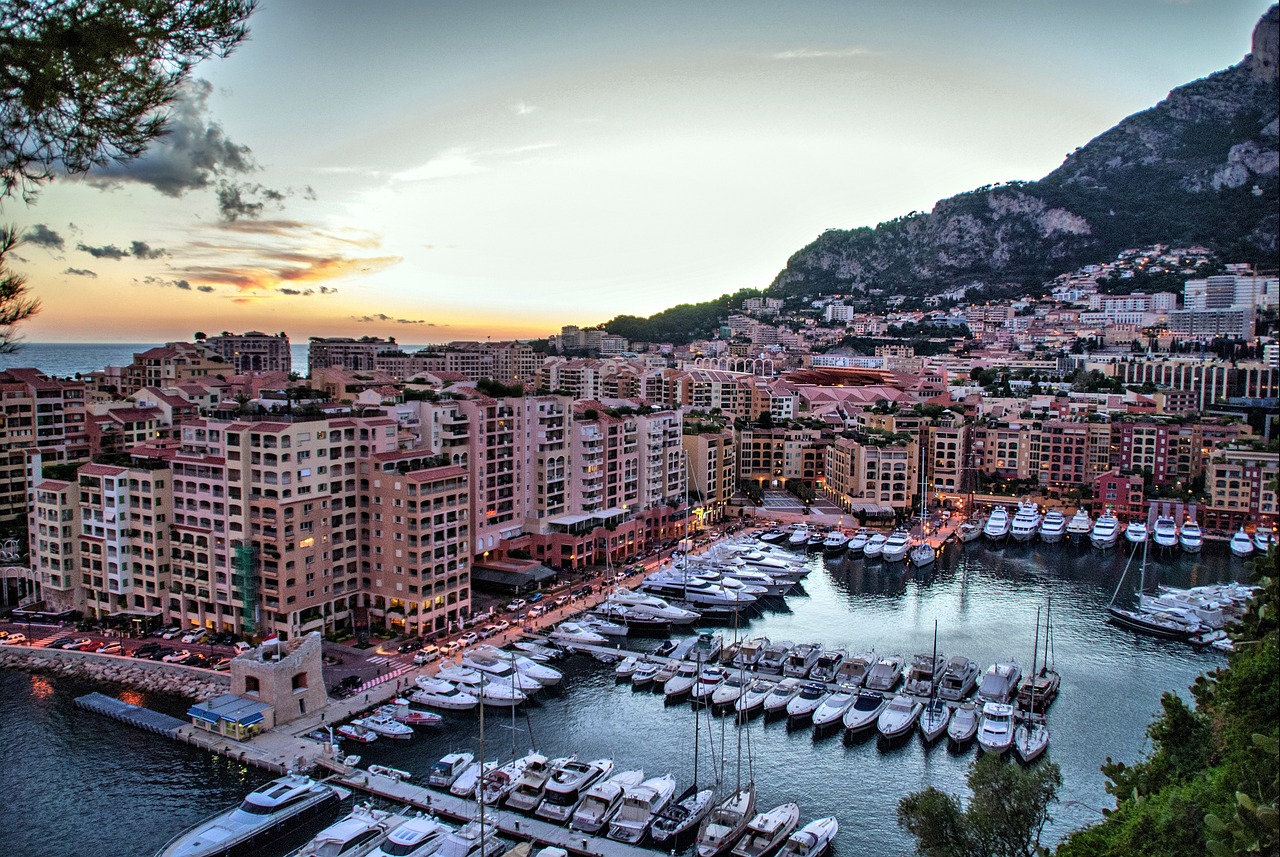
(752, 490)
(1005, 817)
(1210, 782)
(802, 490)
(498, 390)
(680, 324)
(84, 82)
(15, 304)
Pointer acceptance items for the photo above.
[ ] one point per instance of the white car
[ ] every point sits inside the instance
(173, 658)
(195, 636)
(426, 656)
(518, 604)
(14, 639)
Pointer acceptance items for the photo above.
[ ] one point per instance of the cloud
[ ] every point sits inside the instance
(108, 251)
(450, 163)
(163, 283)
(204, 288)
(143, 250)
(80, 272)
(383, 317)
(522, 109)
(42, 236)
(811, 54)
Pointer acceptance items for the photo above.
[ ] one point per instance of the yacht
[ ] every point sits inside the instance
(496, 785)
(1165, 535)
(831, 711)
(356, 834)
(799, 538)
(780, 697)
(537, 652)
(1263, 538)
(886, 673)
(801, 660)
(1031, 738)
(418, 836)
(1053, 527)
(660, 606)
(750, 652)
(824, 668)
(997, 525)
(773, 657)
(640, 805)
(445, 695)
(1241, 545)
(268, 814)
(963, 727)
(626, 668)
(574, 633)
(934, 719)
(807, 701)
(865, 711)
(402, 711)
(1190, 537)
(995, 729)
(708, 680)
(812, 840)
(1135, 533)
(853, 670)
(1166, 624)
(834, 544)
(692, 589)
(923, 554)
(472, 839)
(896, 546)
(899, 716)
(969, 531)
(958, 679)
(445, 772)
(858, 543)
(1026, 522)
(767, 831)
(602, 800)
(925, 669)
(682, 682)
(644, 674)
(727, 822)
(1080, 525)
(493, 691)
(874, 546)
(531, 785)
(567, 786)
(1209, 614)
(1106, 531)
(354, 732)
(466, 783)
(385, 725)
(544, 675)
(1000, 682)
(672, 829)
(753, 696)
(730, 690)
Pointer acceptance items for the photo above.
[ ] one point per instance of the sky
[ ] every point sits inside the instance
(438, 171)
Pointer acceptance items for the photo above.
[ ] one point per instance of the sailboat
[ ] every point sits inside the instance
(473, 839)
(673, 827)
(1038, 690)
(1167, 625)
(1031, 735)
(923, 554)
(936, 714)
(731, 814)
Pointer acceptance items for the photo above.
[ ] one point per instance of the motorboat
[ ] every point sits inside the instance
(874, 546)
(858, 543)
(660, 606)
(799, 538)
(267, 815)
(730, 652)
(1263, 538)
(934, 718)
(1135, 533)
(963, 727)
(575, 633)
(567, 786)
(1210, 613)
(1030, 738)
(1165, 534)
(442, 694)
(831, 712)
(899, 716)
(1053, 527)
(357, 732)
(997, 525)
(467, 782)
(773, 537)
(807, 701)
(682, 682)
(1106, 531)
(767, 831)
(530, 787)
(495, 785)
(665, 673)
(417, 836)
(1241, 544)
(644, 674)
(640, 621)
(1037, 691)
(493, 691)
(780, 697)
(896, 546)
(812, 840)
(640, 805)
(597, 624)
(472, 839)
(451, 670)
(924, 671)
(1026, 522)
(959, 679)
(704, 648)
(824, 668)
(1165, 624)
(444, 773)
(730, 690)
(386, 726)
(995, 729)
(1080, 525)
(801, 660)
(922, 554)
(968, 532)
(886, 673)
(673, 828)
(689, 588)
(544, 675)
(750, 652)
(709, 679)
(537, 652)
(602, 800)
(865, 711)
(626, 668)
(355, 834)
(774, 656)
(753, 696)
(834, 544)
(401, 710)
(1190, 537)
(1000, 682)
(853, 670)
(727, 822)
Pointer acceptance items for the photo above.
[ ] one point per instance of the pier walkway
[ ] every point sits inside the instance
(134, 715)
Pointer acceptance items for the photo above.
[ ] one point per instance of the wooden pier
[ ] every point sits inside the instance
(134, 715)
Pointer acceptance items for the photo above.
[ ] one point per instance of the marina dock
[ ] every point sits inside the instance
(134, 715)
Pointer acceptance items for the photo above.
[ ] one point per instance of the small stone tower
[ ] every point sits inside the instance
(285, 675)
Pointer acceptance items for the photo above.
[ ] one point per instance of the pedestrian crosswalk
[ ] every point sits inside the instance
(380, 659)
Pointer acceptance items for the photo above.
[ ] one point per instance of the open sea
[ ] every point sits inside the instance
(68, 359)
(80, 784)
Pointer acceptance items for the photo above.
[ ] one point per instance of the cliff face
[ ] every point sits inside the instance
(1201, 167)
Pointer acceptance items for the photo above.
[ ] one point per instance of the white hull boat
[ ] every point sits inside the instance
(1053, 527)
(995, 729)
(1106, 532)
(812, 840)
(767, 831)
(807, 701)
(997, 526)
(1080, 525)
(963, 727)
(1191, 538)
(874, 546)
(640, 805)
(1030, 739)
(934, 719)
(1241, 545)
(865, 712)
(832, 710)
(602, 801)
(1165, 534)
(899, 716)
(896, 546)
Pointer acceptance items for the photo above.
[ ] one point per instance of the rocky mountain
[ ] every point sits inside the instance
(1201, 167)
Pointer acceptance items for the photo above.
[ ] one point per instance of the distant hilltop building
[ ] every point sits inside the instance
(253, 351)
(355, 355)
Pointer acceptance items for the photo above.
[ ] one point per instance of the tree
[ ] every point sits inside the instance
(1005, 817)
(85, 82)
(15, 304)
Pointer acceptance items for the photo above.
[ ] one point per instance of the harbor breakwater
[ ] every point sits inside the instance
(149, 676)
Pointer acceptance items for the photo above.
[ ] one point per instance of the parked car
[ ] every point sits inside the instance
(535, 598)
(159, 654)
(176, 657)
(221, 664)
(241, 647)
(226, 638)
(426, 656)
(469, 639)
(409, 646)
(518, 604)
(170, 633)
(452, 648)
(61, 643)
(501, 625)
(146, 650)
(15, 639)
(195, 636)
(560, 601)
(112, 648)
(196, 660)
(536, 610)
(581, 591)
(84, 644)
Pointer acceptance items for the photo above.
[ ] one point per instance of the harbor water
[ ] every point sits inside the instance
(83, 784)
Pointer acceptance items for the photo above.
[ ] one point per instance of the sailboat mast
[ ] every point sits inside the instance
(1035, 655)
(480, 796)
(933, 677)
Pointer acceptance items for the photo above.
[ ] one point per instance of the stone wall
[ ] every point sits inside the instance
(152, 676)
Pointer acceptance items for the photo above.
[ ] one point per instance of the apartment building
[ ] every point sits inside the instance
(253, 351)
(1073, 453)
(876, 475)
(1007, 449)
(1212, 380)
(1241, 484)
(355, 355)
(40, 414)
(169, 365)
(54, 543)
(771, 457)
(713, 471)
(1121, 494)
(948, 456)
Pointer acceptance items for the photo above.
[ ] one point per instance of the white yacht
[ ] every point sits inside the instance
(924, 670)
(874, 545)
(958, 679)
(544, 675)
(494, 692)
(356, 834)
(1106, 531)
(812, 840)
(886, 673)
(1000, 682)
(774, 656)
(969, 531)
(568, 785)
(827, 664)
(729, 691)
(1135, 533)
(418, 836)
(750, 652)
(438, 693)
(501, 671)
(1165, 534)
(934, 719)
(753, 696)
(708, 680)
(865, 711)
(268, 814)
(803, 704)
(640, 805)
(963, 727)
(727, 822)
(471, 840)
(801, 660)
(799, 538)
(767, 831)
(693, 589)
(1263, 538)
(530, 787)
(385, 725)
(995, 729)
(899, 716)
(1080, 525)
(1026, 523)
(1241, 545)
(445, 772)
(686, 676)
(602, 800)
(466, 783)
(571, 633)
(1031, 738)
(997, 525)
(853, 670)
(896, 546)
(1190, 537)
(497, 784)
(858, 543)
(831, 711)
(781, 695)
(1053, 527)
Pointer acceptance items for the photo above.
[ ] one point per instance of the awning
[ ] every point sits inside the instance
(202, 714)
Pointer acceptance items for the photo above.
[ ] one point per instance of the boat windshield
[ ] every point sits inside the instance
(867, 702)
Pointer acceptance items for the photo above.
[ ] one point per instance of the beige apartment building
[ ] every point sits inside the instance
(1241, 483)
(875, 475)
(37, 414)
(713, 472)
